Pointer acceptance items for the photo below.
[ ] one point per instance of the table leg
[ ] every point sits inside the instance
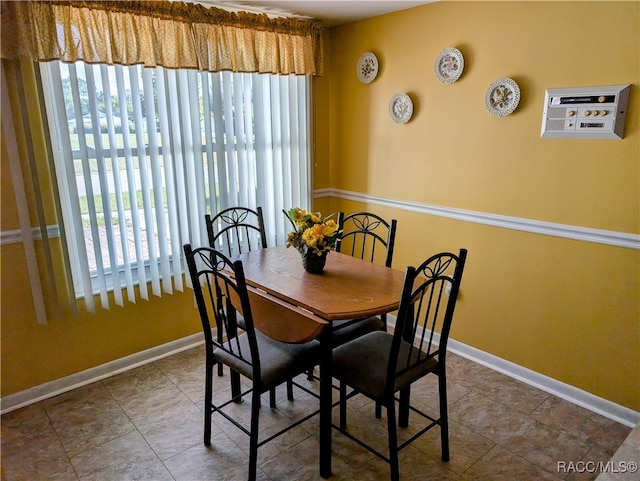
(325, 403)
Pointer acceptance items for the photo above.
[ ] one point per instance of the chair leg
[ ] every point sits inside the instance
(393, 441)
(310, 374)
(378, 410)
(208, 399)
(220, 335)
(235, 385)
(444, 417)
(343, 405)
(403, 409)
(290, 390)
(272, 397)
(253, 438)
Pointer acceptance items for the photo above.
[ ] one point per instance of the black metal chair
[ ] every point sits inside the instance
(236, 230)
(380, 364)
(233, 231)
(370, 237)
(221, 291)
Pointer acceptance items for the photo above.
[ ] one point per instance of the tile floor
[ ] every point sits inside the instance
(146, 424)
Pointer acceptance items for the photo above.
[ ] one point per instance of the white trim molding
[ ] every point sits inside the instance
(613, 238)
(15, 236)
(94, 374)
(587, 234)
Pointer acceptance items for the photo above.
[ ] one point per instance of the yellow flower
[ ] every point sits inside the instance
(297, 215)
(314, 235)
(330, 228)
(311, 231)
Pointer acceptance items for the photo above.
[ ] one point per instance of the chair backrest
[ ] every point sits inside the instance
(367, 236)
(221, 291)
(236, 230)
(426, 308)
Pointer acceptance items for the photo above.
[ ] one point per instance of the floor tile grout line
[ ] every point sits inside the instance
(55, 430)
(162, 462)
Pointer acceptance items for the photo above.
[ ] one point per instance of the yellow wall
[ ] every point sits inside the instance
(564, 308)
(33, 354)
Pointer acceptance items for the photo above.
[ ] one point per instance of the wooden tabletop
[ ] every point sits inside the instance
(348, 288)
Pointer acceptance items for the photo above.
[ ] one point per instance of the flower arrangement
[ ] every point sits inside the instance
(311, 232)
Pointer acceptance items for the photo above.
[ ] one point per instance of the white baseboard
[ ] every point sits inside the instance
(584, 399)
(601, 406)
(572, 394)
(88, 376)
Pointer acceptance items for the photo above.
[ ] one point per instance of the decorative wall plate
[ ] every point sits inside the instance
(367, 68)
(449, 65)
(401, 108)
(502, 97)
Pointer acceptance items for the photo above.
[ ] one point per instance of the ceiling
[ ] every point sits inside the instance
(331, 12)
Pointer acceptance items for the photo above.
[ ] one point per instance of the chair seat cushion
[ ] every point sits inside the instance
(362, 363)
(344, 331)
(279, 361)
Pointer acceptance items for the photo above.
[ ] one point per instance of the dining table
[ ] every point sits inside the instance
(302, 306)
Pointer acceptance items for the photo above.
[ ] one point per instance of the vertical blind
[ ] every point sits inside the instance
(142, 154)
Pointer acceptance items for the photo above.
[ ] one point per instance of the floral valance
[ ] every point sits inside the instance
(160, 33)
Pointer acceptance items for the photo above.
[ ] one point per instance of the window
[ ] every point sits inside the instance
(141, 155)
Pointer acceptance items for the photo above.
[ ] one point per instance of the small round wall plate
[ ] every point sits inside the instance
(449, 65)
(367, 68)
(502, 97)
(401, 108)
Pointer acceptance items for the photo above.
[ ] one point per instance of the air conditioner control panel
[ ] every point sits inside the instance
(585, 112)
